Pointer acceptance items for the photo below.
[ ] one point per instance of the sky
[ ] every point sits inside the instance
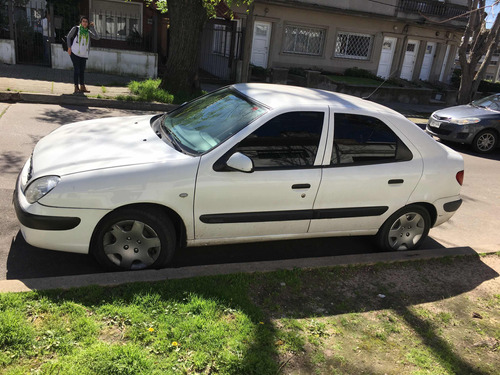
(491, 14)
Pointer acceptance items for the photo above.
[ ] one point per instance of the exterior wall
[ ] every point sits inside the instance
(334, 22)
(140, 64)
(7, 51)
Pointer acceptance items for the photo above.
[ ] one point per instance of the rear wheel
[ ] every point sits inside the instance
(406, 229)
(485, 141)
(134, 238)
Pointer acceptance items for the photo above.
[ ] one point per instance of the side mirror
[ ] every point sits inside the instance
(240, 162)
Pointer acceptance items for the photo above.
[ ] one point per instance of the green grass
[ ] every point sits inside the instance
(149, 91)
(272, 323)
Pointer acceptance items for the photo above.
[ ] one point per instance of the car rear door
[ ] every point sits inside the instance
(369, 172)
(278, 196)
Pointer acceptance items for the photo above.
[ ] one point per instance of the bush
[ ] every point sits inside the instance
(484, 86)
(148, 91)
(297, 71)
(487, 86)
(362, 73)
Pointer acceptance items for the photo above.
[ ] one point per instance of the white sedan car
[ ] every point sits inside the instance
(246, 163)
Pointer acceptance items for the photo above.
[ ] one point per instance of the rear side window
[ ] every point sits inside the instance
(289, 140)
(362, 140)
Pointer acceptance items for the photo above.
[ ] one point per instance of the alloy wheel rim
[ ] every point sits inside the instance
(131, 244)
(406, 231)
(485, 142)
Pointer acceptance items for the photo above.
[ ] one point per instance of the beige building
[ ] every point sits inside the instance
(390, 38)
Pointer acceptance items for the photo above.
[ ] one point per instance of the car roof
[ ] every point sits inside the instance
(285, 96)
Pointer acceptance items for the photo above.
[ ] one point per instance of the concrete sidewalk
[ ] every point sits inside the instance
(40, 84)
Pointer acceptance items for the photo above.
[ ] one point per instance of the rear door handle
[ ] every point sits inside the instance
(301, 186)
(396, 181)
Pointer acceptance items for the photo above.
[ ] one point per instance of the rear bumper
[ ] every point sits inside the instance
(446, 208)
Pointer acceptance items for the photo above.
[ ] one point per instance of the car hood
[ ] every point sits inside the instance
(463, 111)
(99, 144)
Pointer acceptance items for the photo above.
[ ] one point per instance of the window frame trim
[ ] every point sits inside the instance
(351, 57)
(329, 146)
(305, 26)
(261, 121)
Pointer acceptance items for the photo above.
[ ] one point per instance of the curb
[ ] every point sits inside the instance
(82, 100)
(118, 278)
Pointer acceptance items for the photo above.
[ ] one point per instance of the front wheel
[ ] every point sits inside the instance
(406, 229)
(134, 238)
(485, 141)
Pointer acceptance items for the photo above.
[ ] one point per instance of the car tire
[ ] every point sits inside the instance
(485, 141)
(406, 229)
(134, 238)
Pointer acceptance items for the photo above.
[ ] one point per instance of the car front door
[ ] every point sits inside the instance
(277, 197)
(371, 173)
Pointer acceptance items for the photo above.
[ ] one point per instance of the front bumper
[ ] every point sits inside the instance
(41, 222)
(55, 228)
(450, 132)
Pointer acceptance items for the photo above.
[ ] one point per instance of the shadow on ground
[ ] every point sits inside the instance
(25, 261)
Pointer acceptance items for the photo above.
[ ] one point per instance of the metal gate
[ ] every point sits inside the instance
(221, 47)
(31, 46)
(37, 24)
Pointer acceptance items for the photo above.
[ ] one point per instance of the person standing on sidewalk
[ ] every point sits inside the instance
(78, 40)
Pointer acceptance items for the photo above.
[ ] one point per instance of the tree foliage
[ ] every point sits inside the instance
(478, 42)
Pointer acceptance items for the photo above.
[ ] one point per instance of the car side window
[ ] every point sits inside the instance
(289, 140)
(362, 140)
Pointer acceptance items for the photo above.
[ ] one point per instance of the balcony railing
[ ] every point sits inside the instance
(433, 8)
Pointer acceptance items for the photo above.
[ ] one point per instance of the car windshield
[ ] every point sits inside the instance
(491, 102)
(204, 123)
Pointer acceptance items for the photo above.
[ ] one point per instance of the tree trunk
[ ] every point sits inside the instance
(187, 18)
(478, 42)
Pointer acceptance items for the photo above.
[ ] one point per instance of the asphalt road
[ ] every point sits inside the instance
(22, 125)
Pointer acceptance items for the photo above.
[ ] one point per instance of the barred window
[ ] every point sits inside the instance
(117, 20)
(353, 46)
(304, 40)
(221, 40)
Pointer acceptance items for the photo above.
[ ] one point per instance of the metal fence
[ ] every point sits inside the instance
(221, 48)
(122, 30)
(433, 8)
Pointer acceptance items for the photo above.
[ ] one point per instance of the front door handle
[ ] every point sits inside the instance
(301, 186)
(396, 181)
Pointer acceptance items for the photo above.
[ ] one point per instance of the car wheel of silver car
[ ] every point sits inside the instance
(405, 229)
(134, 238)
(485, 141)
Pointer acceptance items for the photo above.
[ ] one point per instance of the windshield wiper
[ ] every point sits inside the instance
(174, 140)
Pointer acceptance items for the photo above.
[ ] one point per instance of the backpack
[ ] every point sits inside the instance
(64, 42)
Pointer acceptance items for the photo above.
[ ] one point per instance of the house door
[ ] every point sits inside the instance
(386, 56)
(443, 67)
(430, 51)
(409, 60)
(260, 44)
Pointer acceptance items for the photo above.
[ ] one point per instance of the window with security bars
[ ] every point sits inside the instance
(117, 20)
(221, 43)
(353, 46)
(304, 40)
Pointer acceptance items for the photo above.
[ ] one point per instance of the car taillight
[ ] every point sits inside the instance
(460, 177)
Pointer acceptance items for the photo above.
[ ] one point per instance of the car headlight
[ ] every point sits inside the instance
(40, 187)
(465, 121)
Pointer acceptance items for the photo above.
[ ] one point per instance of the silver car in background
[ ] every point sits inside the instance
(476, 124)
